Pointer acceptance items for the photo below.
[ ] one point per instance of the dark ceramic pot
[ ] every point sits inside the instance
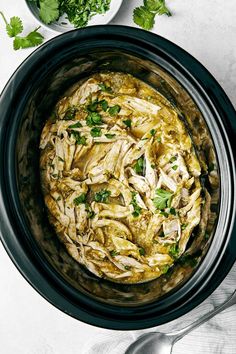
(25, 232)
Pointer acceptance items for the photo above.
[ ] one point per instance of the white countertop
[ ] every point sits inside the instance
(207, 30)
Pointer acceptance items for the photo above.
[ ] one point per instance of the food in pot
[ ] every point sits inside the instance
(120, 178)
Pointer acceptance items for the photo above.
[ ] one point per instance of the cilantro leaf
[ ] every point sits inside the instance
(137, 210)
(80, 140)
(93, 118)
(105, 88)
(143, 17)
(153, 132)
(70, 113)
(49, 10)
(104, 105)
(157, 6)
(76, 125)
(113, 111)
(139, 166)
(174, 251)
(81, 199)
(102, 196)
(33, 39)
(110, 136)
(14, 27)
(95, 132)
(163, 199)
(127, 122)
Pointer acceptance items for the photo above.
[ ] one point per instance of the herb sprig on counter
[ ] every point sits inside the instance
(144, 16)
(14, 27)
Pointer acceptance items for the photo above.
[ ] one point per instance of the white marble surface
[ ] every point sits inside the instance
(28, 323)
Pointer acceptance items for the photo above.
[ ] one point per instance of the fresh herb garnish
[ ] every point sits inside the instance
(114, 110)
(96, 132)
(173, 159)
(165, 268)
(172, 211)
(105, 88)
(81, 199)
(92, 107)
(93, 118)
(164, 213)
(127, 122)
(102, 196)
(159, 139)
(104, 105)
(32, 39)
(142, 251)
(90, 212)
(114, 253)
(109, 136)
(139, 166)
(49, 10)
(174, 167)
(144, 16)
(14, 27)
(183, 226)
(153, 132)
(76, 125)
(137, 209)
(163, 199)
(127, 267)
(70, 113)
(174, 251)
(80, 140)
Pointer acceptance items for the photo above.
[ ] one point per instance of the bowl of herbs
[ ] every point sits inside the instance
(65, 15)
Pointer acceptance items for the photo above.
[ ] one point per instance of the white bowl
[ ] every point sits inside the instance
(63, 24)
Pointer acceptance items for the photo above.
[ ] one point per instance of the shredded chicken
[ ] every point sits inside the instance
(120, 178)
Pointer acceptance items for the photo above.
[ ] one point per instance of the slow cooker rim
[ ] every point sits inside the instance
(132, 30)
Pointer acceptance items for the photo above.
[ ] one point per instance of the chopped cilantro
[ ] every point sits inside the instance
(163, 199)
(173, 159)
(81, 199)
(164, 213)
(70, 113)
(174, 251)
(95, 132)
(93, 118)
(76, 125)
(80, 140)
(114, 253)
(114, 110)
(142, 251)
(174, 167)
(32, 39)
(165, 268)
(172, 211)
(110, 136)
(159, 139)
(139, 166)
(127, 122)
(105, 88)
(104, 105)
(183, 226)
(137, 209)
(92, 107)
(153, 132)
(127, 267)
(102, 196)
